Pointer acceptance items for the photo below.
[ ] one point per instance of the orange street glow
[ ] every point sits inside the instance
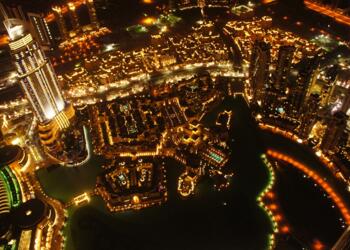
(317, 245)
(336, 15)
(319, 180)
(64, 9)
(4, 40)
(268, 1)
(148, 20)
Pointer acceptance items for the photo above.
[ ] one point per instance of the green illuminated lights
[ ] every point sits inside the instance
(268, 188)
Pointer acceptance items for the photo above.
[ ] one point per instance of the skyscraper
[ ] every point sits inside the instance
(342, 85)
(336, 125)
(283, 67)
(35, 21)
(41, 29)
(307, 72)
(309, 115)
(73, 15)
(38, 79)
(39, 83)
(259, 68)
(61, 22)
(296, 99)
(300, 89)
(92, 12)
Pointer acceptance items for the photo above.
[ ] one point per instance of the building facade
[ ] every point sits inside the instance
(39, 83)
(283, 67)
(41, 29)
(334, 133)
(259, 68)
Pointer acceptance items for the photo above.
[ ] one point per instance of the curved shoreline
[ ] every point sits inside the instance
(345, 211)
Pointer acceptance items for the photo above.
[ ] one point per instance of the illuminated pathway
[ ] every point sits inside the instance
(319, 170)
(325, 10)
(317, 178)
(267, 200)
(266, 193)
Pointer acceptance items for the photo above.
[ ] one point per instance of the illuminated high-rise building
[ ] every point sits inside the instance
(35, 22)
(309, 115)
(92, 12)
(307, 73)
(16, 12)
(39, 83)
(336, 124)
(38, 79)
(269, 99)
(283, 67)
(340, 93)
(300, 90)
(41, 29)
(259, 69)
(60, 21)
(73, 15)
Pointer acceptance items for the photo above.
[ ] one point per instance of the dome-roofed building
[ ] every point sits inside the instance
(10, 154)
(14, 156)
(29, 214)
(4, 199)
(22, 223)
(10, 194)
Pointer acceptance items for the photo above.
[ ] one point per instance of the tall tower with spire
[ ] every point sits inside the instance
(39, 83)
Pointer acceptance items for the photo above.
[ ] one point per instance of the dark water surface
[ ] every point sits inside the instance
(209, 220)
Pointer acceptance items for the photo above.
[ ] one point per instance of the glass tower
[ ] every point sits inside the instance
(37, 78)
(61, 139)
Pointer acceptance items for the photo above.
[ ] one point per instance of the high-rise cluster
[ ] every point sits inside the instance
(35, 22)
(71, 8)
(290, 86)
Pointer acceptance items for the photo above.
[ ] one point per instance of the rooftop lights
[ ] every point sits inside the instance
(15, 28)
